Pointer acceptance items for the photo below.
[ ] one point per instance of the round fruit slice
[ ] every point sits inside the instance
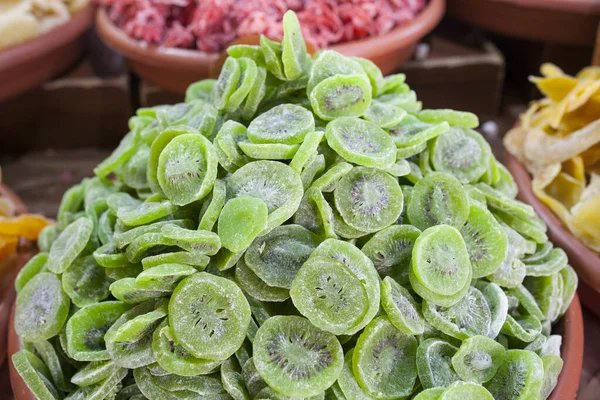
(478, 359)
(86, 282)
(466, 390)
(285, 124)
(315, 214)
(34, 266)
(384, 115)
(248, 73)
(295, 59)
(341, 96)
(228, 80)
(250, 283)
(233, 381)
(241, 220)
(411, 131)
(368, 199)
(453, 117)
(269, 151)
(328, 181)
(498, 304)
(295, 358)
(441, 261)
(277, 256)
(174, 358)
(361, 142)
(391, 251)
(214, 204)
(438, 198)
(329, 295)
(434, 363)
(306, 150)
(384, 360)
(402, 309)
(35, 374)
(69, 244)
(209, 316)
(469, 317)
(347, 382)
(187, 168)
(485, 240)
(519, 377)
(42, 308)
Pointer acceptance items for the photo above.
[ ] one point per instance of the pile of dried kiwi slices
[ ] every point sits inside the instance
(298, 228)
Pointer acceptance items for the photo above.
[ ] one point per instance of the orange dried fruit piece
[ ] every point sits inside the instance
(26, 225)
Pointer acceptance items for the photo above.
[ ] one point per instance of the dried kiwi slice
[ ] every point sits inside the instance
(86, 282)
(384, 360)
(478, 359)
(278, 185)
(226, 84)
(341, 96)
(277, 256)
(284, 124)
(241, 220)
(295, 59)
(455, 118)
(34, 266)
(250, 283)
(519, 377)
(438, 198)
(35, 374)
(402, 309)
(187, 168)
(347, 382)
(368, 199)
(69, 244)
(361, 142)
(295, 358)
(209, 316)
(315, 214)
(434, 363)
(466, 390)
(327, 293)
(42, 308)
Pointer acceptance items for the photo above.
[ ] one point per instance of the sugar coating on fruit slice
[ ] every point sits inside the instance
(306, 150)
(209, 316)
(69, 244)
(520, 376)
(145, 213)
(341, 96)
(248, 73)
(294, 57)
(384, 115)
(548, 265)
(314, 166)
(187, 168)
(174, 358)
(85, 282)
(485, 240)
(277, 256)
(402, 309)
(523, 327)
(478, 359)
(315, 214)
(42, 308)
(347, 382)
(434, 363)
(210, 211)
(440, 260)
(465, 391)
(453, 117)
(35, 374)
(295, 358)
(200, 90)
(250, 283)
(368, 199)
(241, 220)
(391, 251)
(328, 181)
(269, 151)
(34, 266)
(233, 381)
(411, 131)
(361, 142)
(256, 95)
(331, 63)
(226, 84)
(498, 304)
(552, 367)
(463, 153)
(327, 293)
(94, 372)
(278, 185)
(272, 52)
(438, 198)
(384, 360)
(285, 124)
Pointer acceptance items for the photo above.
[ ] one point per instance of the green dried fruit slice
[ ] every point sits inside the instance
(272, 52)
(555, 261)
(269, 151)
(227, 139)
(384, 360)
(213, 206)
(510, 207)
(99, 391)
(198, 261)
(194, 241)
(391, 251)
(384, 115)
(174, 358)
(478, 359)
(35, 374)
(200, 90)
(34, 266)
(120, 155)
(122, 239)
(187, 168)
(253, 381)
(86, 282)
(430, 394)
(314, 358)
(361, 142)
(256, 95)
(240, 221)
(94, 372)
(250, 283)
(368, 199)
(498, 304)
(547, 293)
(86, 329)
(440, 261)
(283, 124)
(42, 308)
(314, 167)
(232, 379)
(315, 214)
(524, 327)
(145, 213)
(570, 280)
(519, 377)
(109, 256)
(278, 185)
(330, 295)
(328, 181)
(341, 96)
(455, 118)
(466, 391)
(347, 382)
(470, 316)
(174, 387)
(226, 84)
(411, 132)
(306, 150)
(165, 274)
(552, 367)
(295, 59)
(342, 229)
(209, 316)
(437, 199)
(505, 184)
(47, 236)
(140, 247)
(277, 256)
(527, 303)
(434, 363)
(248, 73)
(56, 365)
(69, 244)
(130, 291)
(485, 240)
(402, 309)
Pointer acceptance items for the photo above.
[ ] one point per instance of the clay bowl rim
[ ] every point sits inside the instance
(190, 60)
(574, 6)
(583, 260)
(48, 42)
(20, 207)
(571, 325)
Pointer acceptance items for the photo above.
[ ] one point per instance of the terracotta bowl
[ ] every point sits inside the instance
(571, 22)
(27, 65)
(571, 327)
(8, 272)
(176, 69)
(584, 261)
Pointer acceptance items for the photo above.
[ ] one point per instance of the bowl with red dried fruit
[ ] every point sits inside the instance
(178, 43)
